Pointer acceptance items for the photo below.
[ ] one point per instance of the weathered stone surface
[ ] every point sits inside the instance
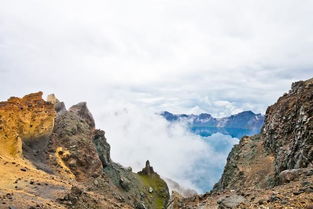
(230, 201)
(52, 99)
(60, 107)
(82, 111)
(65, 158)
(74, 135)
(103, 148)
(24, 119)
(247, 166)
(288, 129)
(147, 170)
(286, 142)
(289, 175)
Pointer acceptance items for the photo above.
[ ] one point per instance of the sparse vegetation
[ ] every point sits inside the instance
(159, 196)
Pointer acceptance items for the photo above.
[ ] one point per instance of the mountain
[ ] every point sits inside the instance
(242, 124)
(272, 169)
(51, 157)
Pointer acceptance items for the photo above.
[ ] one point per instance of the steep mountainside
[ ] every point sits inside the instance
(274, 168)
(241, 124)
(51, 157)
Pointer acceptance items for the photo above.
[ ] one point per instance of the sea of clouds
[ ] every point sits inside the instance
(131, 59)
(137, 135)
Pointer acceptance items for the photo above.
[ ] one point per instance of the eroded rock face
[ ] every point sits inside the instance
(147, 170)
(24, 119)
(155, 188)
(288, 129)
(63, 150)
(247, 166)
(103, 148)
(286, 142)
(230, 201)
(52, 99)
(73, 141)
(82, 111)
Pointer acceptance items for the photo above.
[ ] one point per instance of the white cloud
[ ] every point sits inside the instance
(244, 52)
(137, 135)
(217, 56)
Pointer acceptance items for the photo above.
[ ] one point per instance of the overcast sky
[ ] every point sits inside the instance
(219, 56)
(131, 59)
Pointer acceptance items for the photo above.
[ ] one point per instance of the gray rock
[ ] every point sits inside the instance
(289, 175)
(125, 184)
(140, 205)
(103, 148)
(147, 170)
(230, 201)
(82, 111)
(60, 107)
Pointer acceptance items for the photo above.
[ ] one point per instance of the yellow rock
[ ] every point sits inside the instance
(52, 99)
(24, 118)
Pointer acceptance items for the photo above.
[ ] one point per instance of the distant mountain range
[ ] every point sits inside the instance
(242, 124)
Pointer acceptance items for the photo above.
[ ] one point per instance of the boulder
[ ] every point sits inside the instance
(230, 201)
(289, 175)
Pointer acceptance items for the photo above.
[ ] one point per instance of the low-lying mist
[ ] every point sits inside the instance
(137, 135)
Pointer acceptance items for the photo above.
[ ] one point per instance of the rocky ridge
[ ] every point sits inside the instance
(272, 169)
(24, 119)
(55, 158)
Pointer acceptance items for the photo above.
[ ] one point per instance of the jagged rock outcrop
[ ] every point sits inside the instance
(286, 142)
(274, 168)
(156, 189)
(73, 141)
(65, 160)
(288, 130)
(82, 111)
(52, 99)
(147, 170)
(24, 119)
(247, 166)
(103, 148)
(85, 153)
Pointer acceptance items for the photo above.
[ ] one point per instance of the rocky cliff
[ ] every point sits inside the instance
(286, 142)
(274, 168)
(288, 131)
(24, 119)
(51, 157)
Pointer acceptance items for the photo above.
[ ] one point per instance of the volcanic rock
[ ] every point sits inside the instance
(24, 119)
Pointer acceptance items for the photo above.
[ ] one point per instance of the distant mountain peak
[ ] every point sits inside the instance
(204, 124)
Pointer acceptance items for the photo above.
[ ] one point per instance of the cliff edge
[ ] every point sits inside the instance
(51, 157)
(274, 168)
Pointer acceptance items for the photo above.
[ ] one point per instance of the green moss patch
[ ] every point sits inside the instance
(158, 198)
